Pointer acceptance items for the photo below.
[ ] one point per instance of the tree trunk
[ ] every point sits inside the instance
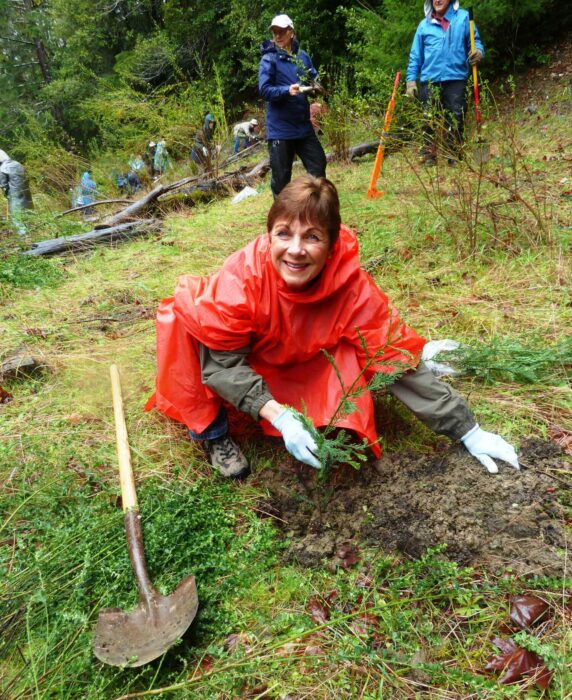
(56, 246)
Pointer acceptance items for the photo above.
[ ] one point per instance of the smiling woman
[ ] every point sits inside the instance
(303, 226)
(253, 335)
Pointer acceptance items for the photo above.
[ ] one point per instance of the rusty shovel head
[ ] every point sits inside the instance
(137, 637)
(482, 152)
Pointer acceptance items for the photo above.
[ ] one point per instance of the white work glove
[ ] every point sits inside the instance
(433, 348)
(298, 441)
(475, 57)
(483, 446)
(205, 151)
(411, 88)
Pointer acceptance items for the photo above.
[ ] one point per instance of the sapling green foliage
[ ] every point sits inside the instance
(509, 360)
(335, 445)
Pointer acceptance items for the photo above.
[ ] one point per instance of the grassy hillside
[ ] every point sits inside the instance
(481, 256)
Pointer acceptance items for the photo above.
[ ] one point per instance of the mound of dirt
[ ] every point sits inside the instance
(409, 502)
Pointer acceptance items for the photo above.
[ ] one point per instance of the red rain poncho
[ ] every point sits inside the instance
(247, 303)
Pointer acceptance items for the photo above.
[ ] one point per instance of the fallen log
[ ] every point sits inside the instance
(56, 246)
(134, 209)
(20, 364)
(355, 151)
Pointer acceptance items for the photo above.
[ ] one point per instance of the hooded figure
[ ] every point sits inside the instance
(87, 192)
(254, 333)
(14, 183)
(161, 159)
(203, 143)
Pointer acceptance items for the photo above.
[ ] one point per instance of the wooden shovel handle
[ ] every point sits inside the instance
(128, 493)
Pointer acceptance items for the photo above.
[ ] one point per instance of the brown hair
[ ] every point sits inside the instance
(313, 200)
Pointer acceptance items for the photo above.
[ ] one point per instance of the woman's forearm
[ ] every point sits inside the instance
(271, 410)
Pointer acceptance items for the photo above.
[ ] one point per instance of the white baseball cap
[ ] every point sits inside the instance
(282, 21)
(4, 156)
(254, 122)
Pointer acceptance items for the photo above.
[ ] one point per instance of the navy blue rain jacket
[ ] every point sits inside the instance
(437, 55)
(287, 116)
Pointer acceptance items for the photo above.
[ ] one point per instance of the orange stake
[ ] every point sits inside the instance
(372, 191)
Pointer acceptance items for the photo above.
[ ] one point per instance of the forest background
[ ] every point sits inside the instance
(88, 82)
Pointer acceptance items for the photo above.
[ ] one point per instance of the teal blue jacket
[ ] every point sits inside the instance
(437, 55)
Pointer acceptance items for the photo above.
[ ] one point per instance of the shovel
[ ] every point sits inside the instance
(137, 637)
(482, 151)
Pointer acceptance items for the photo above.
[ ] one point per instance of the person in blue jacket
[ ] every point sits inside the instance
(87, 193)
(440, 57)
(285, 76)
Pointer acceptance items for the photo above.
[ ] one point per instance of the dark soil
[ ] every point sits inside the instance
(409, 502)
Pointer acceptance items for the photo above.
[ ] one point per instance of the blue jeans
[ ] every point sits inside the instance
(238, 145)
(216, 429)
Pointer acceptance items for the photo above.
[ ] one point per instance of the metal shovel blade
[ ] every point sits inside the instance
(137, 637)
(482, 153)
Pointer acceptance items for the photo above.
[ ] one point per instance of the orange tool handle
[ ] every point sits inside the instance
(386, 125)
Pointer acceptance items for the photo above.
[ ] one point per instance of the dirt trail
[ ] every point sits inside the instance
(409, 502)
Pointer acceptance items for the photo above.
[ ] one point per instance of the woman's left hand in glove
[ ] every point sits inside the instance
(484, 446)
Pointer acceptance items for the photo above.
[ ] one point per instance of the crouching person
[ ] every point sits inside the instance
(252, 334)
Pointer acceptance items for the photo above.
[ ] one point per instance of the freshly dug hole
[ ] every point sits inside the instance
(409, 502)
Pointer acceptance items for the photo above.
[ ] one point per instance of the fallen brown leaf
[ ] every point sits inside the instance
(5, 396)
(517, 662)
(319, 612)
(204, 666)
(36, 332)
(563, 438)
(525, 610)
(348, 553)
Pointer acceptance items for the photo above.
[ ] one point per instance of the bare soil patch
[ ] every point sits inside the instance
(408, 502)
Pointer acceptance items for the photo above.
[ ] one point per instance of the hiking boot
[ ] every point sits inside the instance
(226, 456)
(428, 155)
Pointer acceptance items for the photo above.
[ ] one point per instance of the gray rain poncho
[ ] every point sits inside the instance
(14, 183)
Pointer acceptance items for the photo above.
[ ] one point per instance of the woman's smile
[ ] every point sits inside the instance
(299, 252)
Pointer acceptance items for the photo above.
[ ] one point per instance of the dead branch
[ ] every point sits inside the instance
(94, 204)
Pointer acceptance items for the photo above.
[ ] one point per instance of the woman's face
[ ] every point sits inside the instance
(298, 252)
(282, 37)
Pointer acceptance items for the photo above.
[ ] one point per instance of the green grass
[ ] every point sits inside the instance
(396, 628)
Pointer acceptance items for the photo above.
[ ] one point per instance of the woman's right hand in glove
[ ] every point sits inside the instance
(298, 441)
